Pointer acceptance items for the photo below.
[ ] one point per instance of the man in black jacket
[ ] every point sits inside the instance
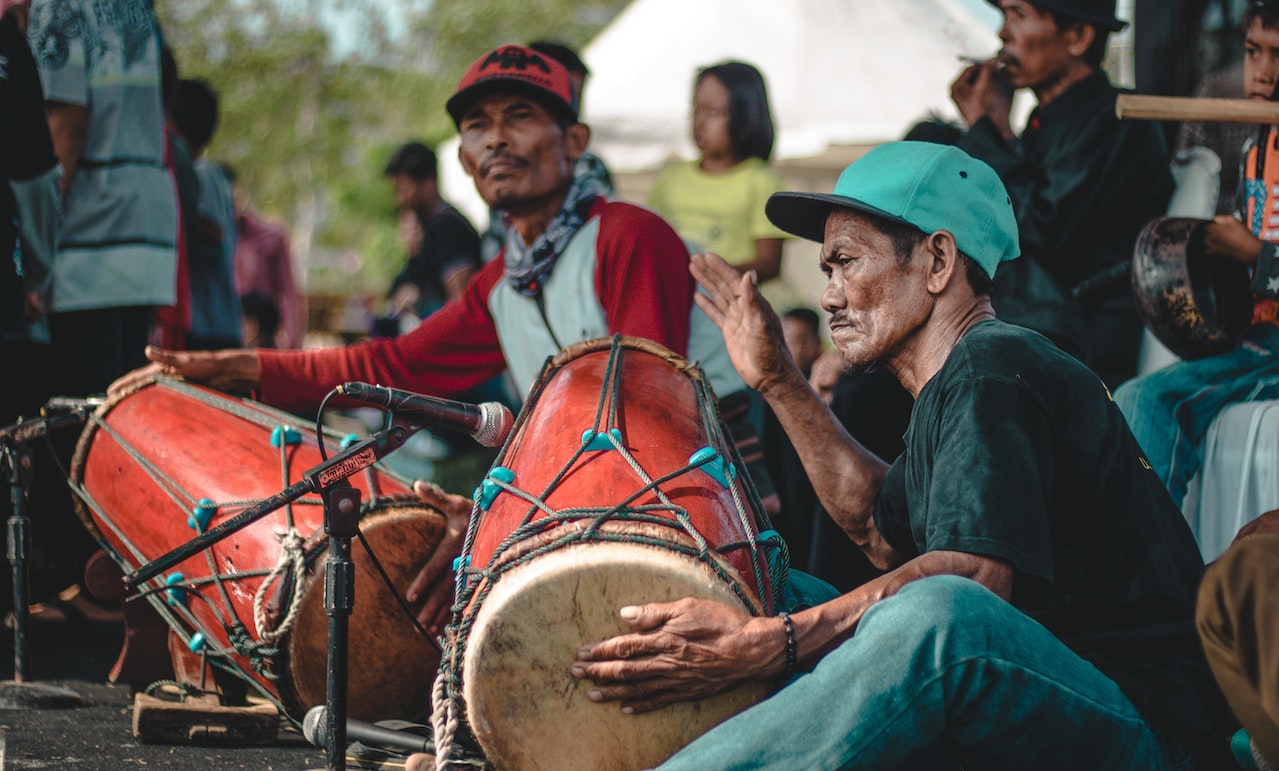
(1082, 182)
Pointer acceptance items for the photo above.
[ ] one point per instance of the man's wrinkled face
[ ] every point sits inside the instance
(876, 301)
(1034, 51)
(515, 150)
(1260, 61)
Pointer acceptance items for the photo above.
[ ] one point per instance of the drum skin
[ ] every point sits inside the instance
(146, 456)
(544, 599)
(1195, 305)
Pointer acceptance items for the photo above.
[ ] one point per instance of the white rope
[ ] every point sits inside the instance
(444, 722)
(292, 557)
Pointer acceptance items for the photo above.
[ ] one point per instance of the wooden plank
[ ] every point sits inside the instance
(1142, 107)
(202, 720)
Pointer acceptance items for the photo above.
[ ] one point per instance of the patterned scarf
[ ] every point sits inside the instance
(527, 267)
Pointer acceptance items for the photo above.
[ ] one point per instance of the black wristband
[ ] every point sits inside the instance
(790, 642)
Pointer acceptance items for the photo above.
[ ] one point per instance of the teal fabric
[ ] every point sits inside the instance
(942, 674)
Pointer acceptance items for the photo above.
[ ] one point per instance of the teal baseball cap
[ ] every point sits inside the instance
(928, 186)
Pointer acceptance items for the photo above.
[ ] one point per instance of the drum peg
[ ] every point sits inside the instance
(490, 487)
(285, 435)
(201, 515)
(177, 596)
(348, 440)
(599, 440)
(197, 644)
(713, 464)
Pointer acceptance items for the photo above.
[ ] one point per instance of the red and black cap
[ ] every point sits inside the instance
(519, 68)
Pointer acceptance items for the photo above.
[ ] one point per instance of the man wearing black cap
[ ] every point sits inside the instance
(1038, 608)
(1083, 183)
(575, 266)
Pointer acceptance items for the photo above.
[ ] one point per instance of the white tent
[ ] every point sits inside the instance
(838, 71)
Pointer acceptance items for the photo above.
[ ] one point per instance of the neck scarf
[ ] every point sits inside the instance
(527, 267)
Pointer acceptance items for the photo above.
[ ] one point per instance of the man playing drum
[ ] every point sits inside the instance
(1038, 609)
(576, 266)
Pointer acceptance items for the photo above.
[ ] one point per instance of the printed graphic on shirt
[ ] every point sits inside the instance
(67, 23)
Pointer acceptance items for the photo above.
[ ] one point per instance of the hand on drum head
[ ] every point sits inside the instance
(752, 332)
(680, 651)
(435, 580)
(229, 370)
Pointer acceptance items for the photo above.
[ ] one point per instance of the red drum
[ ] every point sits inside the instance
(617, 488)
(156, 466)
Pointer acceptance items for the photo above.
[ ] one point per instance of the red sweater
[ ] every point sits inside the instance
(641, 280)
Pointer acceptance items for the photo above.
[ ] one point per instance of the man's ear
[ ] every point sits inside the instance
(1079, 38)
(944, 263)
(577, 138)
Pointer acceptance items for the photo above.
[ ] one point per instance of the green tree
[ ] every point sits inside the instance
(308, 133)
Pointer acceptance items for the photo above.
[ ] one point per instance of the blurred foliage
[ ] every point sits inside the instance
(308, 133)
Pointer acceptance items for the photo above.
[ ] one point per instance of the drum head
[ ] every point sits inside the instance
(522, 704)
(391, 666)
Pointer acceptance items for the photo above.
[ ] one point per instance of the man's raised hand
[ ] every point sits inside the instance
(752, 332)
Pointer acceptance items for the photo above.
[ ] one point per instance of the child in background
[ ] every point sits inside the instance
(716, 203)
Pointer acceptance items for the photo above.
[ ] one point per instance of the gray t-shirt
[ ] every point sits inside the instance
(118, 244)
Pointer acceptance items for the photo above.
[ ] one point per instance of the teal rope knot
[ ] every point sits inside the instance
(713, 464)
(593, 440)
(176, 594)
(201, 514)
(492, 485)
(285, 435)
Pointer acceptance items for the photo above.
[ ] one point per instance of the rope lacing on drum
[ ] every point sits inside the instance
(473, 584)
(181, 618)
(292, 557)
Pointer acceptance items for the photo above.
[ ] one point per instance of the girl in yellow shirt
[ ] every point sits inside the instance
(716, 203)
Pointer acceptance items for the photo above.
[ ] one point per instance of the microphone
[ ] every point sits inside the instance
(315, 729)
(488, 423)
(71, 404)
(59, 413)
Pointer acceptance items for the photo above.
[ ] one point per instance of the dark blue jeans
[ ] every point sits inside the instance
(943, 673)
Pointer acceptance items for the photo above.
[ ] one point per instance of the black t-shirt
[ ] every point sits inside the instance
(1015, 450)
(26, 152)
(449, 244)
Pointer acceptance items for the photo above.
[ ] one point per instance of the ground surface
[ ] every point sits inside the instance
(98, 735)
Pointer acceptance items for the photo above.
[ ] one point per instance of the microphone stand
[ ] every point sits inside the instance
(341, 523)
(16, 457)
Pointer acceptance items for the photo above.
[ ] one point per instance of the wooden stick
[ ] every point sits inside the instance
(1142, 107)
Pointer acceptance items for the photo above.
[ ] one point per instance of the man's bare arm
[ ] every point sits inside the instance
(692, 649)
(69, 125)
(846, 476)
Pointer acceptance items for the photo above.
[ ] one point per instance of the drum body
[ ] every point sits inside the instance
(1195, 305)
(156, 466)
(593, 505)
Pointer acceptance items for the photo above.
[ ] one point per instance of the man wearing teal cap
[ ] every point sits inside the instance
(1037, 606)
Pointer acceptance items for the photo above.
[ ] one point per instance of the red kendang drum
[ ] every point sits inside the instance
(618, 487)
(169, 460)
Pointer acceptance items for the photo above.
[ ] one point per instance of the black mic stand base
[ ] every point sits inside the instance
(23, 695)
